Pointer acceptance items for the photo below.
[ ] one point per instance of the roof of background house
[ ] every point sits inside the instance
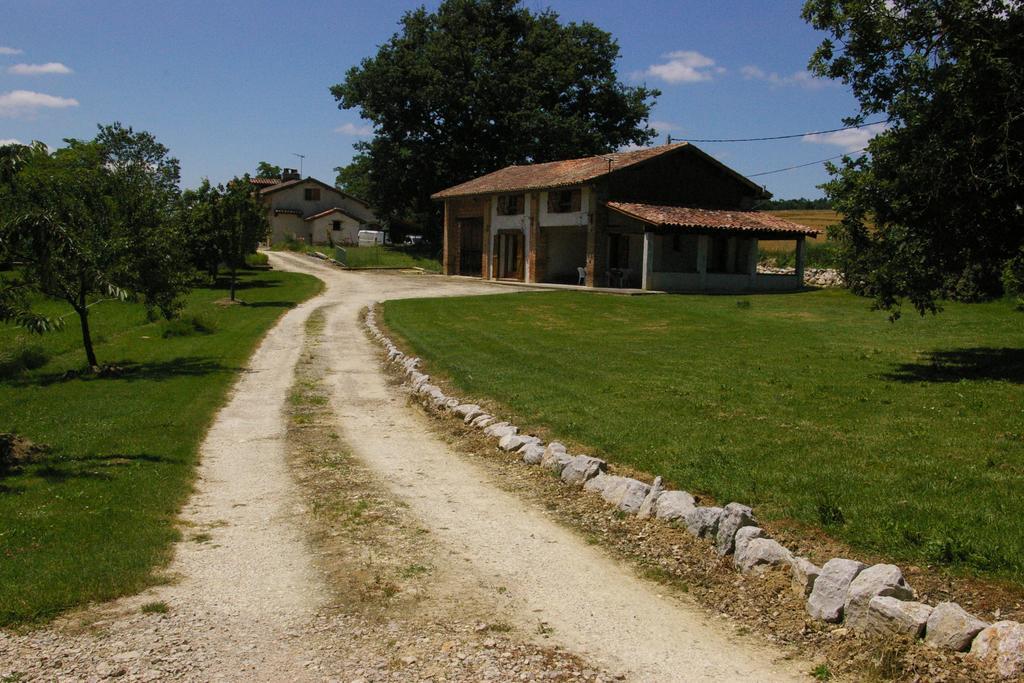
(572, 172)
(310, 179)
(334, 209)
(715, 219)
(264, 181)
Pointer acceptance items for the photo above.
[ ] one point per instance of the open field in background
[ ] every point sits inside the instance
(905, 439)
(820, 252)
(92, 519)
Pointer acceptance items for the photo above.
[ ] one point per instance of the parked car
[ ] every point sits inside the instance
(371, 238)
(412, 240)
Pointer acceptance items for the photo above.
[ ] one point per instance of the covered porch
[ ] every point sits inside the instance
(685, 249)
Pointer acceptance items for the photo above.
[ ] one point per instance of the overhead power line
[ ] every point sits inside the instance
(809, 163)
(781, 137)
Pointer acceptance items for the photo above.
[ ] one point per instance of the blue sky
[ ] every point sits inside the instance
(225, 85)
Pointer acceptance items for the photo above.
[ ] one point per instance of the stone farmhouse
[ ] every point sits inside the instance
(312, 211)
(668, 218)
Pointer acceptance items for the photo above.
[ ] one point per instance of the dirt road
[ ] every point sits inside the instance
(250, 601)
(592, 605)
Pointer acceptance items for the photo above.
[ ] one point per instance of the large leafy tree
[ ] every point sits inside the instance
(478, 85)
(265, 169)
(94, 220)
(935, 208)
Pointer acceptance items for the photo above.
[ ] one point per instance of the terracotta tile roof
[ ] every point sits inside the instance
(554, 173)
(715, 219)
(264, 181)
(334, 209)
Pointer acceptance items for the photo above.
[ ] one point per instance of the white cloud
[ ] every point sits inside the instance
(37, 69)
(852, 140)
(9, 50)
(354, 129)
(684, 66)
(801, 79)
(664, 126)
(9, 141)
(26, 103)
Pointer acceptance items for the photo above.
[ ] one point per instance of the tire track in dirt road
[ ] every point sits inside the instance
(594, 606)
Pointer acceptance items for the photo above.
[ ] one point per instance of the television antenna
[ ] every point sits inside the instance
(301, 158)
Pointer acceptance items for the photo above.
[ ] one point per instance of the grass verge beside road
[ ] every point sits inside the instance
(904, 439)
(93, 518)
(390, 257)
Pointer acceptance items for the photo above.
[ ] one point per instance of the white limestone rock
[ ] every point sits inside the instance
(673, 506)
(582, 468)
(878, 580)
(467, 411)
(703, 521)
(626, 494)
(650, 502)
(602, 481)
(555, 458)
(828, 597)
(532, 453)
(761, 554)
(734, 517)
(951, 627)
(499, 430)
(889, 616)
(451, 403)
(1001, 646)
(482, 421)
(805, 573)
(513, 442)
(745, 535)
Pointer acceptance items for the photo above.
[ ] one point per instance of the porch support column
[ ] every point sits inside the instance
(801, 255)
(485, 245)
(702, 260)
(533, 241)
(645, 279)
(591, 280)
(448, 248)
(752, 254)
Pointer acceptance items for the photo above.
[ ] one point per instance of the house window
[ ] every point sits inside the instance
(511, 205)
(564, 201)
(312, 194)
(677, 242)
(336, 225)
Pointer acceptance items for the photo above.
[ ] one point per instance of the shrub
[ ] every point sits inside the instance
(15, 361)
(187, 326)
(256, 260)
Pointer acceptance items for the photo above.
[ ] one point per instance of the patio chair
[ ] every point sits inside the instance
(582, 273)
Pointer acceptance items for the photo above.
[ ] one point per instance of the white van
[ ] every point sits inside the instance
(371, 238)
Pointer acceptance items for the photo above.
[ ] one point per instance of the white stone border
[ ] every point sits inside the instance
(875, 600)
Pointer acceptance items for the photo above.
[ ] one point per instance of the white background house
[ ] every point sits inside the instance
(313, 211)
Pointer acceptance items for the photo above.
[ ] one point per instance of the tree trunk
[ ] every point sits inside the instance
(90, 354)
(233, 270)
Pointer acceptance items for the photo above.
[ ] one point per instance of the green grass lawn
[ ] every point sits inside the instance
(95, 517)
(903, 438)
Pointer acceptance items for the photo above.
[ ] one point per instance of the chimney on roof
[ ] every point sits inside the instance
(289, 174)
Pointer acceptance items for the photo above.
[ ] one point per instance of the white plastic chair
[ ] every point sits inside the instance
(582, 272)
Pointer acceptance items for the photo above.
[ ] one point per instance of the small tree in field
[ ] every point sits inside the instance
(93, 221)
(243, 225)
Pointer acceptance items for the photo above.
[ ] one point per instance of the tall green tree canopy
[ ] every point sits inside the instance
(265, 169)
(93, 220)
(943, 186)
(478, 85)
